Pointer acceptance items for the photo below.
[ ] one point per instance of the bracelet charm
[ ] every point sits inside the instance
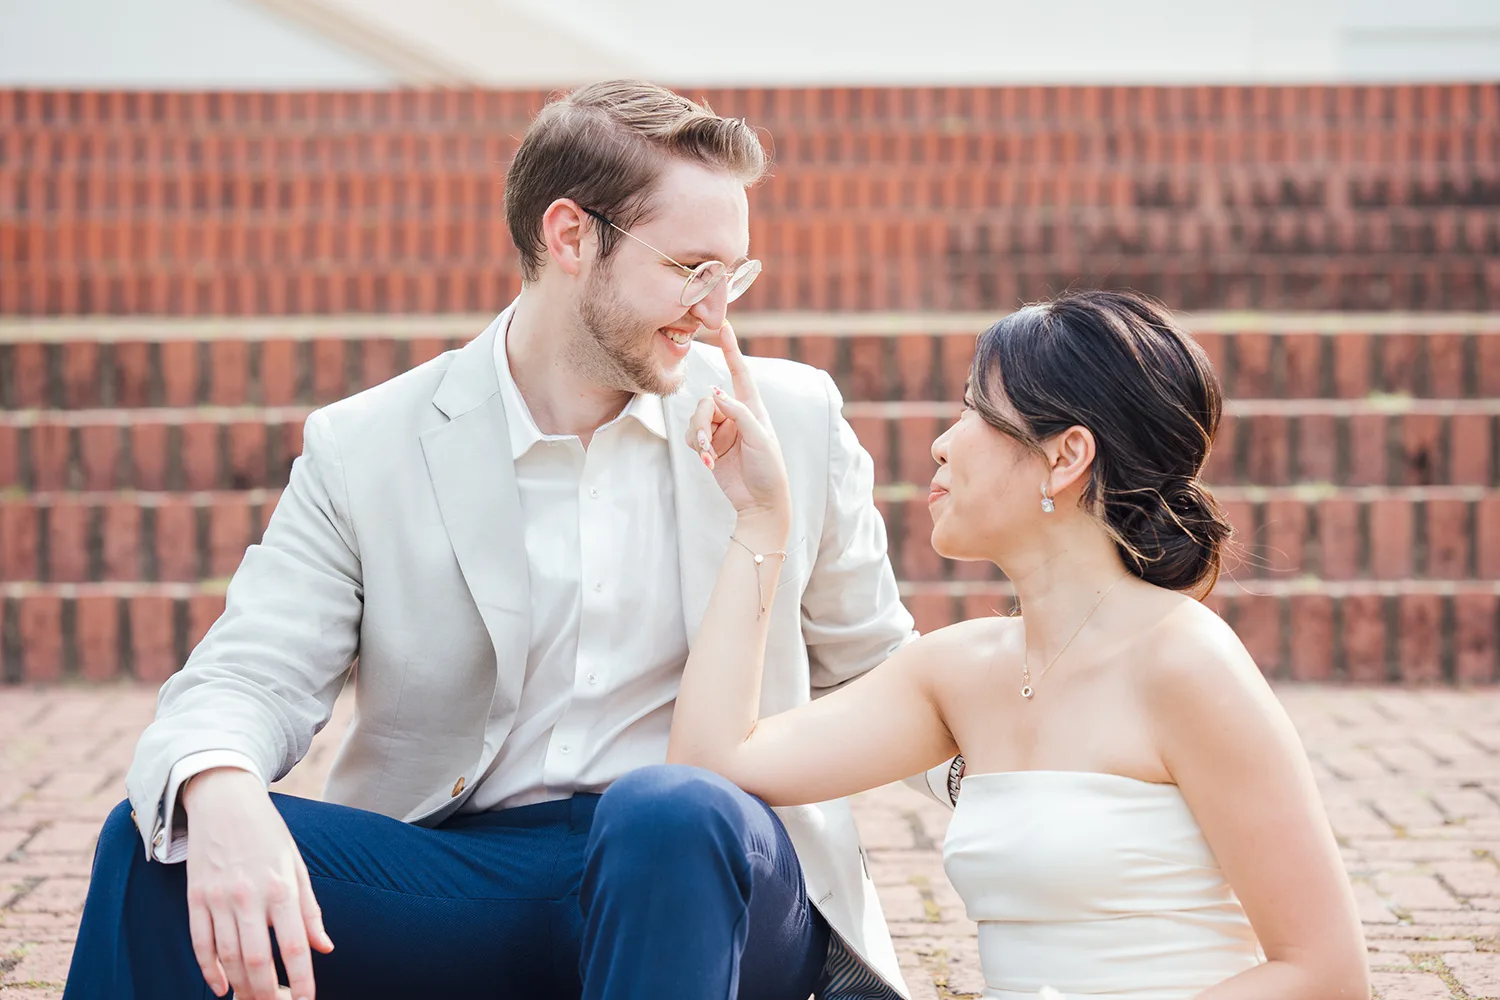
(760, 557)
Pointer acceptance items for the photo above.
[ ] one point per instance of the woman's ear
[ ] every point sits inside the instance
(564, 230)
(1071, 455)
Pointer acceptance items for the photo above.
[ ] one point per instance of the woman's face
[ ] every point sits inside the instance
(987, 491)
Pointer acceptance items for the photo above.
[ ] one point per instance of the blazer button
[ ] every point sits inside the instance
(132, 815)
(458, 787)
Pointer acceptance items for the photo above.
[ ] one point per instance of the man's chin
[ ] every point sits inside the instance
(667, 376)
(670, 380)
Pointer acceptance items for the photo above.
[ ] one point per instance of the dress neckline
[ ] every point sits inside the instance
(1083, 775)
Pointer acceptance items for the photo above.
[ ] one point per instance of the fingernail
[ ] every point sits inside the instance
(718, 391)
(703, 440)
(708, 460)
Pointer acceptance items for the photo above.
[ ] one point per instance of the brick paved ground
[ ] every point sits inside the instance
(1411, 779)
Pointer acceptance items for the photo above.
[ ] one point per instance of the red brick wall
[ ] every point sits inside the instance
(1352, 197)
(1361, 471)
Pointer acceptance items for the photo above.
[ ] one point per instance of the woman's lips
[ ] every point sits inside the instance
(935, 494)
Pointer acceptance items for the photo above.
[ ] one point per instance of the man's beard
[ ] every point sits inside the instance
(615, 347)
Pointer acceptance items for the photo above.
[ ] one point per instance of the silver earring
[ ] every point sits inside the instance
(1047, 505)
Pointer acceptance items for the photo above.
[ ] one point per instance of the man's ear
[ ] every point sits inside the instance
(565, 231)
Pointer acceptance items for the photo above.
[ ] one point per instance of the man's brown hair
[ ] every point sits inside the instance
(604, 146)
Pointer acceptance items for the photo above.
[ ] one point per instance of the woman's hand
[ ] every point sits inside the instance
(733, 437)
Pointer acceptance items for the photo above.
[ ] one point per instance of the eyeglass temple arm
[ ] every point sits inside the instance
(604, 219)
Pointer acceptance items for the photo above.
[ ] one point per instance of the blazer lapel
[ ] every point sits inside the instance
(468, 460)
(705, 517)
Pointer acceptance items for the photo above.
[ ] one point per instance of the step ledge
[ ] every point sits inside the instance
(1297, 492)
(145, 498)
(889, 409)
(1234, 588)
(50, 329)
(1305, 406)
(908, 588)
(113, 588)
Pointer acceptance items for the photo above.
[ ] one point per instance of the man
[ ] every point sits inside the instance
(517, 547)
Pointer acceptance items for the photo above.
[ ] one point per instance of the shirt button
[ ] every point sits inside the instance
(594, 494)
(593, 678)
(565, 749)
(598, 587)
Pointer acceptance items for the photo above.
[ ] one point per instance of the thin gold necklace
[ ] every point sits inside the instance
(1026, 690)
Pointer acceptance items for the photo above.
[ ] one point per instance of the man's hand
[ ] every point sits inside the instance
(244, 874)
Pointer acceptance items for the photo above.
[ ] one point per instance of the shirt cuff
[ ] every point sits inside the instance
(169, 845)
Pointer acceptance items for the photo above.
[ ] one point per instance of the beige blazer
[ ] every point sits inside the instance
(398, 541)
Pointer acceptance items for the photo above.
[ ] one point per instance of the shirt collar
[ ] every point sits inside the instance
(645, 407)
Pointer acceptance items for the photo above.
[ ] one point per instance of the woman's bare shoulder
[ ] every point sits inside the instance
(1197, 664)
(955, 651)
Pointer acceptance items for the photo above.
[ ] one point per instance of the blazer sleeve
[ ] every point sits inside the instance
(263, 681)
(852, 615)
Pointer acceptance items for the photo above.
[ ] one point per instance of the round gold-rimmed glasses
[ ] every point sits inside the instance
(704, 278)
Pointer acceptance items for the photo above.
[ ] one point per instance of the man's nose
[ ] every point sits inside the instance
(713, 308)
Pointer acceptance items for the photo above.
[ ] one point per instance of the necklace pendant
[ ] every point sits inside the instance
(1026, 691)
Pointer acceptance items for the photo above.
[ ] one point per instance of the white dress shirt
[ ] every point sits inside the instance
(608, 641)
(601, 550)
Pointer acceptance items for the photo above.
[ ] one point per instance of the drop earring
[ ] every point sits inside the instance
(1047, 505)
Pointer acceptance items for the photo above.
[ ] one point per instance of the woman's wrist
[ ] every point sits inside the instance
(763, 531)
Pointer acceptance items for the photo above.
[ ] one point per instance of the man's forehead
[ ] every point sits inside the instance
(705, 222)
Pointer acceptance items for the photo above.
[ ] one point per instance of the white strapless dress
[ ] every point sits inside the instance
(1099, 886)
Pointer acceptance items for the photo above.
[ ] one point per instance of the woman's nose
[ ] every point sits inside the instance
(940, 448)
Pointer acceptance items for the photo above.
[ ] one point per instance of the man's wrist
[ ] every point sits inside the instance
(215, 775)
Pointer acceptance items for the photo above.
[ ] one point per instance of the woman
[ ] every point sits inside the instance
(1137, 819)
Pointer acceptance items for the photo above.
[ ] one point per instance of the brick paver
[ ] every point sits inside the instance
(1411, 780)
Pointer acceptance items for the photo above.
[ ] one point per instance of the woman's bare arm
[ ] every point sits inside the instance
(880, 728)
(1232, 750)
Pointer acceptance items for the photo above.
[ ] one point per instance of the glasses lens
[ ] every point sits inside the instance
(704, 279)
(743, 277)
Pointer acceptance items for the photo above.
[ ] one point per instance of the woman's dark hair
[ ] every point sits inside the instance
(1118, 364)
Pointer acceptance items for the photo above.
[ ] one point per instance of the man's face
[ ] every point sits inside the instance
(636, 333)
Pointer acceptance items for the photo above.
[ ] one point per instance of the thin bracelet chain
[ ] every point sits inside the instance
(760, 557)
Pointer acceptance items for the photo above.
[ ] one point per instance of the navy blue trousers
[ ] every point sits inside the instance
(672, 884)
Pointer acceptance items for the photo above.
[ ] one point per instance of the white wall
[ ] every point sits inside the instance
(1439, 39)
(557, 42)
(169, 43)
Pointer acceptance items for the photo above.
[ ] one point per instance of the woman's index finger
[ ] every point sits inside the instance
(744, 384)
